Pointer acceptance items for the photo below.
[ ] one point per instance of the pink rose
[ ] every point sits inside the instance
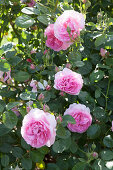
(32, 66)
(34, 84)
(82, 117)
(39, 128)
(68, 81)
(71, 19)
(52, 41)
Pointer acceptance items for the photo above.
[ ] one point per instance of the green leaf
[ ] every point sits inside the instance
(61, 145)
(68, 119)
(107, 155)
(97, 93)
(4, 65)
(11, 105)
(28, 95)
(44, 150)
(3, 129)
(99, 114)
(44, 19)
(96, 75)
(21, 76)
(52, 166)
(79, 166)
(100, 40)
(24, 21)
(6, 47)
(17, 152)
(5, 160)
(79, 64)
(86, 68)
(36, 156)
(73, 147)
(30, 10)
(24, 144)
(93, 131)
(108, 141)
(26, 163)
(9, 119)
(2, 105)
(60, 131)
(14, 60)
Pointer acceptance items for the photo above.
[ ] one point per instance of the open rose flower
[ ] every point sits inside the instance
(68, 81)
(39, 128)
(52, 41)
(71, 19)
(82, 117)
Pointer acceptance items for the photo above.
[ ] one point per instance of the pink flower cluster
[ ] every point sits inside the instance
(39, 128)
(68, 81)
(58, 36)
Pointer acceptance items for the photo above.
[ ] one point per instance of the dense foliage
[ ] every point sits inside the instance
(27, 74)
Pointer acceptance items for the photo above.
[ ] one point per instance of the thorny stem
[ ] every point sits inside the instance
(106, 97)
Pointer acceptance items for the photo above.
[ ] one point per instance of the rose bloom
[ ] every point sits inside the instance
(82, 117)
(39, 128)
(52, 41)
(71, 19)
(68, 81)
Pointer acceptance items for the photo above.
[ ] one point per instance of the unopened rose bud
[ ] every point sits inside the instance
(45, 52)
(46, 108)
(93, 146)
(41, 97)
(95, 155)
(103, 52)
(32, 66)
(34, 27)
(56, 69)
(84, 1)
(68, 65)
(62, 93)
(29, 60)
(59, 119)
(28, 109)
(48, 87)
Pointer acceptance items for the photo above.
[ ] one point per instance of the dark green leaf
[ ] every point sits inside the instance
(36, 156)
(5, 160)
(11, 105)
(28, 95)
(93, 131)
(107, 155)
(108, 141)
(26, 163)
(17, 152)
(21, 76)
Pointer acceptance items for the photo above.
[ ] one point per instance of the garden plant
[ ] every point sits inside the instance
(56, 84)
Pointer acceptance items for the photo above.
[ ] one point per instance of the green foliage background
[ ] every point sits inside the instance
(21, 30)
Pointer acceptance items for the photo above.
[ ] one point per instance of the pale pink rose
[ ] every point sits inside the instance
(82, 117)
(72, 20)
(68, 81)
(52, 41)
(103, 52)
(34, 84)
(112, 126)
(39, 128)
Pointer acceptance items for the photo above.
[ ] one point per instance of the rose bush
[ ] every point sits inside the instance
(56, 85)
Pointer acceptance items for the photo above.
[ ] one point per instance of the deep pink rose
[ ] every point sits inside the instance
(82, 117)
(52, 41)
(39, 128)
(71, 19)
(68, 81)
